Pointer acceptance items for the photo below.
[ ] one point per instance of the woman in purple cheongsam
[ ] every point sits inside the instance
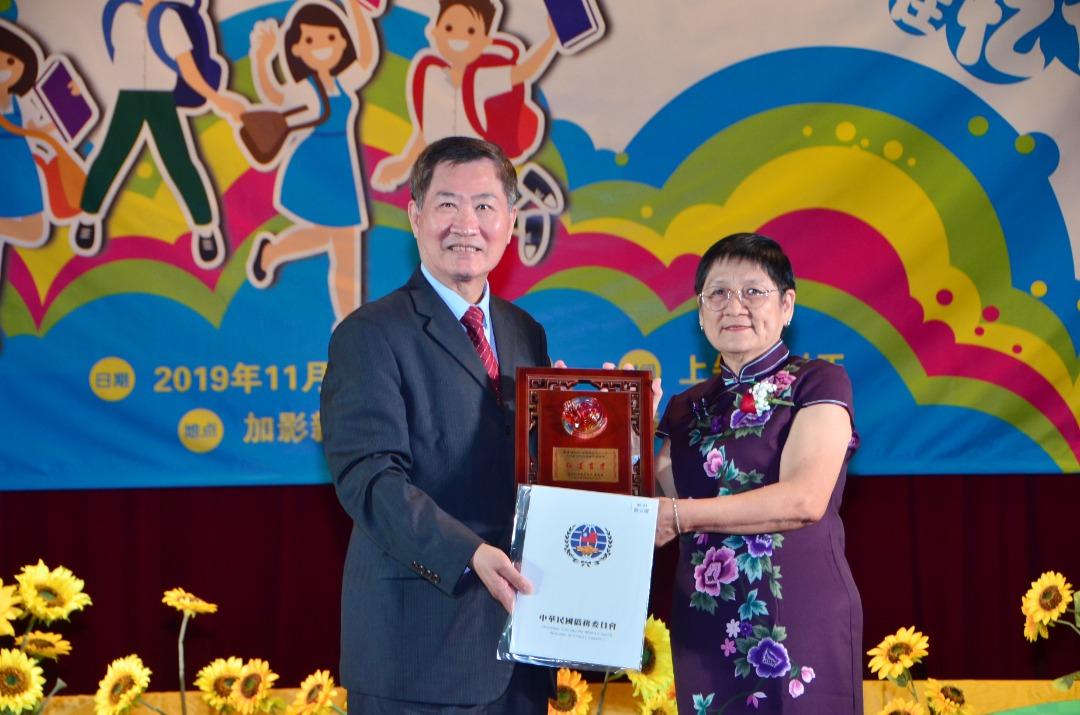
(766, 617)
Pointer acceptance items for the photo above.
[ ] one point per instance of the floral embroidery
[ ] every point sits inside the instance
(740, 567)
(756, 405)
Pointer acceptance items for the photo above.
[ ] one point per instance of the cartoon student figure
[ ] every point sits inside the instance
(472, 82)
(476, 81)
(165, 62)
(24, 213)
(327, 59)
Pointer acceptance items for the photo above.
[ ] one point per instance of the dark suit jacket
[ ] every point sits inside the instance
(422, 456)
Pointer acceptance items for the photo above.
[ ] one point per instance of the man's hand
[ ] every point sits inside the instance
(657, 390)
(498, 575)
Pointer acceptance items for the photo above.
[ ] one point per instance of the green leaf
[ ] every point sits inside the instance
(748, 432)
(695, 437)
(749, 565)
(1066, 681)
(775, 570)
(734, 542)
(779, 633)
(727, 592)
(774, 587)
(697, 558)
(742, 668)
(777, 540)
(703, 602)
(761, 631)
(755, 477)
(745, 644)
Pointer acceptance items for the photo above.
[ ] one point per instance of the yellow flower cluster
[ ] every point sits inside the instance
(9, 608)
(125, 680)
(188, 603)
(946, 699)
(1049, 597)
(50, 595)
(571, 694)
(897, 653)
(231, 683)
(316, 696)
(900, 706)
(657, 674)
(39, 594)
(21, 681)
(43, 644)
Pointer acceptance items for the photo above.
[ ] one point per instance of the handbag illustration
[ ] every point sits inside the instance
(264, 131)
(64, 175)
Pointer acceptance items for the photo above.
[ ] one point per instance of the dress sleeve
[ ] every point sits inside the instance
(821, 382)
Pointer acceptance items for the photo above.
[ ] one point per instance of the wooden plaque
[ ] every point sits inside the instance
(585, 429)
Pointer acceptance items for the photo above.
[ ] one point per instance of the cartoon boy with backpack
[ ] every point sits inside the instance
(166, 63)
(476, 81)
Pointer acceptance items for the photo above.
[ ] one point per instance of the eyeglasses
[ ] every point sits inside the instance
(719, 299)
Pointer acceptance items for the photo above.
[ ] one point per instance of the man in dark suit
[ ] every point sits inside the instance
(418, 417)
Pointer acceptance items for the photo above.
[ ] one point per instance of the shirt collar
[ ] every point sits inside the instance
(757, 368)
(455, 302)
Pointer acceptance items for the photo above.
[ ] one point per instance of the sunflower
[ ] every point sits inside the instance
(571, 694)
(124, 682)
(897, 653)
(252, 686)
(945, 699)
(1032, 628)
(9, 609)
(1048, 597)
(189, 603)
(657, 672)
(661, 705)
(316, 694)
(41, 644)
(901, 706)
(21, 681)
(51, 595)
(216, 681)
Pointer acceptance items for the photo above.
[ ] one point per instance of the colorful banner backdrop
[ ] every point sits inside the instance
(168, 288)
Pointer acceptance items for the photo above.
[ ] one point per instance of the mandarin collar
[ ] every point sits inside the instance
(757, 368)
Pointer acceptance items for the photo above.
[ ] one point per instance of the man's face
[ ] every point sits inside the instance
(459, 35)
(463, 226)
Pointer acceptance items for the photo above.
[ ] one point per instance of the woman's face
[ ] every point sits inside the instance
(739, 332)
(11, 70)
(320, 47)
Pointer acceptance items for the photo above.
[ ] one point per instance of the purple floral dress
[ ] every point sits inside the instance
(764, 623)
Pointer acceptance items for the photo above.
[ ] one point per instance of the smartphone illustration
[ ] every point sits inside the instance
(578, 23)
(62, 95)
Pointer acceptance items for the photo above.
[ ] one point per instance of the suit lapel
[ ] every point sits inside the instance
(438, 322)
(506, 343)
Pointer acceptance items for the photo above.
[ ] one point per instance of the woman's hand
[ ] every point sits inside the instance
(657, 389)
(665, 522)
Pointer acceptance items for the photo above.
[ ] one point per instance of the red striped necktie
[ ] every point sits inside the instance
(473, 320)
